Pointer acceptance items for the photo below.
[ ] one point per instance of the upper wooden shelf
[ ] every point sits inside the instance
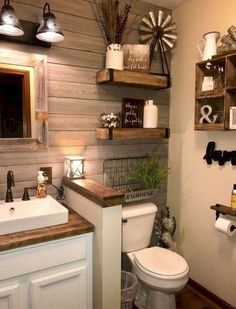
(129, 78)
(225, 210)
(131, 133)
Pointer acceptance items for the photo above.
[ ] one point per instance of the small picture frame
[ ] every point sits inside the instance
(132, 113)
(136, 57)
(232, 117)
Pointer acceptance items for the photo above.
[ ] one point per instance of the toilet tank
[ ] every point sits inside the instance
(137, 225)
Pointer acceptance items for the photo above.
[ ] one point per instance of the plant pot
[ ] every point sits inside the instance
(114, 57)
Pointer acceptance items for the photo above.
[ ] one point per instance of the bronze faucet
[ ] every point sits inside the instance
(10, 184)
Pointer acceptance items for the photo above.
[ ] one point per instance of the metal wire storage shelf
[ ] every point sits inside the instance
(117, 174)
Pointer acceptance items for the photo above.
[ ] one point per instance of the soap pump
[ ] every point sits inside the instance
(41, 186)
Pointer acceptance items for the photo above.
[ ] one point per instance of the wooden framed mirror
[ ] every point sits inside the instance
(23, 101)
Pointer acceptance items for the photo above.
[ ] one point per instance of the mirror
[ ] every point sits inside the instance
(23, 101)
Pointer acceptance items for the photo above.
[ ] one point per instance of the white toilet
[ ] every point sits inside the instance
(161, 270)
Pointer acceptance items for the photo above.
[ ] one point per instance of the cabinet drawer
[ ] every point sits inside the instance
(37, 257)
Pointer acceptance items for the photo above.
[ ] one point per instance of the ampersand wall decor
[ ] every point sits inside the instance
(222, 156)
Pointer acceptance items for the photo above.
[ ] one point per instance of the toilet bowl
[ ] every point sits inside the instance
(163, 271)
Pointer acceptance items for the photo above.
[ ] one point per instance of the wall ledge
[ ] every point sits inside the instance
(95, 192)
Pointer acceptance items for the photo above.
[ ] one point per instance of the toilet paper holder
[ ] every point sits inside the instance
(224, 210)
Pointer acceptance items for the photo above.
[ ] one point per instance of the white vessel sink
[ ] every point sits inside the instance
(27, 215)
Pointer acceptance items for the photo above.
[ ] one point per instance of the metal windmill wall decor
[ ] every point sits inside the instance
(157, 30)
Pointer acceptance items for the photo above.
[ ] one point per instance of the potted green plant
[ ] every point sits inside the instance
(113, 21)
(148, 173)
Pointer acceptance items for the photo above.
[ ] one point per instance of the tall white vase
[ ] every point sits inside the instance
(150, 115)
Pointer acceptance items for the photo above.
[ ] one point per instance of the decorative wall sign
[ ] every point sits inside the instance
(132, 113)
(218, 155)
(206, 112)
(136, 57)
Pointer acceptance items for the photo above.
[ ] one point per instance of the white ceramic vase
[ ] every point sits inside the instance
(114, 57)
(150, 115)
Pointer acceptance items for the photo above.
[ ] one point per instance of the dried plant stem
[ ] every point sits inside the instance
(112, 20)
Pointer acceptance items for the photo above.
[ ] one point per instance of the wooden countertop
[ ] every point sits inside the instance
(76, 225)
(95, 192)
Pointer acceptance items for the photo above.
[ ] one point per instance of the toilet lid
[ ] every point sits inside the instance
(160, 261)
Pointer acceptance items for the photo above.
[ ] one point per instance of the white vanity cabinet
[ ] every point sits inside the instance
(51, 275)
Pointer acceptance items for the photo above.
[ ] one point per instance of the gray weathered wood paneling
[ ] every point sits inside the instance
(74, 99)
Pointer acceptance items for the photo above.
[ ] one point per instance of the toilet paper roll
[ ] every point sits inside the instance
(225, 226)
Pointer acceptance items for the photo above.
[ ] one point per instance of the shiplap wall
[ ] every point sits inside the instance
(74, 99)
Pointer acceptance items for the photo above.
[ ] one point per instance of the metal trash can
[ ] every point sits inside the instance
(129, 285)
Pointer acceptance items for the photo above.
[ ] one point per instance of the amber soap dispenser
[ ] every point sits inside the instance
(233, 198)
(41, 186)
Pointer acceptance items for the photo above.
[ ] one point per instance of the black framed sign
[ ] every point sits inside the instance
(132, 113)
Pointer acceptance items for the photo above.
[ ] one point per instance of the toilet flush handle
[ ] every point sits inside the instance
(124, 220)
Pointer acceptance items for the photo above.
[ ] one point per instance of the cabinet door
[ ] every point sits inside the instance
(66, 289)
(9, 297)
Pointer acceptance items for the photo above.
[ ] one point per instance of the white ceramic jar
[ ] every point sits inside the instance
(114, 57)
(150, 115)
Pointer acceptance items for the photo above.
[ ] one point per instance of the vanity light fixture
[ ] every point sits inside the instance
(49, 30)
(74, 167)
(9, 22)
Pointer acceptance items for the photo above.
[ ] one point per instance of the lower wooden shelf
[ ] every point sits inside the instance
(131, 133)
(210, 127)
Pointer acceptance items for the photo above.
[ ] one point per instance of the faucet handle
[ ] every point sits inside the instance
(25, 196)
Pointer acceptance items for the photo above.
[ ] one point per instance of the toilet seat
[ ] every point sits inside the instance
(161, 263)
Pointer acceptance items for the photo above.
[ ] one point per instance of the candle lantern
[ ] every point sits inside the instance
(74, 167)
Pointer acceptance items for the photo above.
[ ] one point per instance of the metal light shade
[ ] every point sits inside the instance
(9, 22)
(49, 30)
(74, 167)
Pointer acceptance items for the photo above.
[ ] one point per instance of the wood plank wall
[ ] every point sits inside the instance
(74, 100)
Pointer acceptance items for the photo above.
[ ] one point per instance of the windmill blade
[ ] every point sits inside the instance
(160, 17)
(146, 37)
(170, 27)
(172, 36)
(149, 42)
(153, 18)
(169, 43)
(147, 21)
(145, 29)
(167, 21)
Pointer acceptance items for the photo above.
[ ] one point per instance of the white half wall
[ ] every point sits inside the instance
(193, 186)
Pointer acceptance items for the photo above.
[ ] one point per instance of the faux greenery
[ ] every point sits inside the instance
(165, 228)
(148, 173)
(112, 20)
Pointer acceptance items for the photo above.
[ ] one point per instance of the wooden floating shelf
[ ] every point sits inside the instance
(129, 78)
(131, 133)
(210, 96)
(225, 210)
(210, 126)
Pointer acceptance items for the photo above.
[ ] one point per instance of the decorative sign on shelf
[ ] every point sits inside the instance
(132, 113)
(207, 114)
(221, 156)
(136, 57)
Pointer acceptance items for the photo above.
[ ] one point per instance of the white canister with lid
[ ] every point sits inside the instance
(150, 115)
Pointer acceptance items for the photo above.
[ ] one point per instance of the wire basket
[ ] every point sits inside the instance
(129, 285)
(117, 174)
